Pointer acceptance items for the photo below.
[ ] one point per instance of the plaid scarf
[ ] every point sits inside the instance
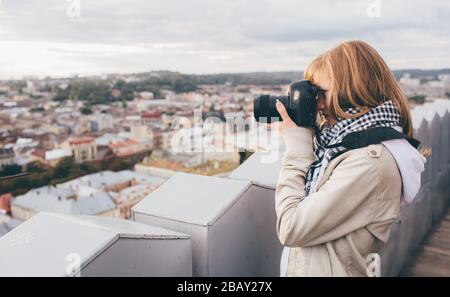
(384, 115)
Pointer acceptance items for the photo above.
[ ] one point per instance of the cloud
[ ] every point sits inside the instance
(203, 36)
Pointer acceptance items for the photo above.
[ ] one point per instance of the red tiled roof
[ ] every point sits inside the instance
(39, 153)
(126, 152)
(82, 140)
(151, 114)
(123, 143)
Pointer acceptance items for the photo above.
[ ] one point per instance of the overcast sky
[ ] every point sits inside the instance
(56, 38)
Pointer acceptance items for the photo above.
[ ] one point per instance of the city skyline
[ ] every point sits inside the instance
(64, 38)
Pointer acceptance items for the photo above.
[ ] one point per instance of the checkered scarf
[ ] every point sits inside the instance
(384, 115)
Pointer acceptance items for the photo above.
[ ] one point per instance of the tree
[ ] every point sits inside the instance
(418, 99)
(62, 94)
(90, 167)
(36, 167)
(118, 164)
(37, 109)
(86, 110)
(62, 169)
(10, 170)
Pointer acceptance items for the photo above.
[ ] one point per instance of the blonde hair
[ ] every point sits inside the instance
(360, 78)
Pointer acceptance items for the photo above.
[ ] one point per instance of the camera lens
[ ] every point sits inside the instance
(300, 105)
(264, 108)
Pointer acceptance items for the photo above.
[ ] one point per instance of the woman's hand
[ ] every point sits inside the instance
(287, 121)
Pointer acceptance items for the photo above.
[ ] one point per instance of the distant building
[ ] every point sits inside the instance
(134, 120)
(444, 77)
(84, 149)
(160, 138)
(129, 197)
(436, 83)
(38, 155)
(186, 159)
(143, 105)
(108, 138)
(51, 157)
(100, 121)
(406, 80)
(24, 144)
(151, 117)
(104, 193)
(62, 200)
(7, 157)
(141, 132)
(129, 147)
(146, 95)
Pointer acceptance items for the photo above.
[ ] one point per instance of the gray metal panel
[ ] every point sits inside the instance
(435, 131)
(192, 198)
(388, 253)
(261, 168)
(423, 136)
(428, 110)
(143, 257)
(243, 242)
(422, 214)
(124, 228)
(199, 239)
(40, 246)
(445, 136)
(448, 144)
(405, 243)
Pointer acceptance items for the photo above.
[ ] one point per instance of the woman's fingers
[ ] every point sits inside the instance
(283, 112)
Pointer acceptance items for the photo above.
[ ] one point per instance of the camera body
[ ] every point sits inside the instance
(300, 104)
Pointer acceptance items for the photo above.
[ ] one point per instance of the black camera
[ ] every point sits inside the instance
(300, 105)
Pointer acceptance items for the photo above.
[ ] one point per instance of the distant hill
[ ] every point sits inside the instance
(267, 78)
(182, 81)
(99, 89)
(256, 78)
(420, 73)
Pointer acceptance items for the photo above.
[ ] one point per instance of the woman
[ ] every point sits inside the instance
(335, 207)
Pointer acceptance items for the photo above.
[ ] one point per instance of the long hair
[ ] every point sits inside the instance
(360, 78)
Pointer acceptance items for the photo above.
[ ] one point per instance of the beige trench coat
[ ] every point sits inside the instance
(332, 232)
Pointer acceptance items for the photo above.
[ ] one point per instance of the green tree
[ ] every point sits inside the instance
(63, 168)
(36, 167)
(37, 109)
(418, 99)
(10, 170)
(86, 110)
